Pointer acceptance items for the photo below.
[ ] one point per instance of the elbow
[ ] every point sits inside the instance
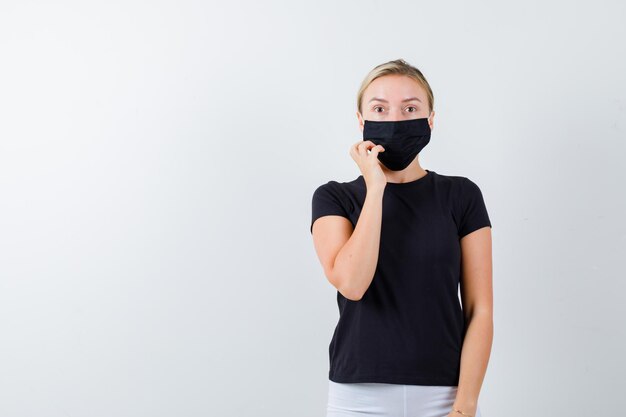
(343, 285)
(351, 294)
(485, 317)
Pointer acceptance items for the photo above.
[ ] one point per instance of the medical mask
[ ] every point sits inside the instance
(402, 140)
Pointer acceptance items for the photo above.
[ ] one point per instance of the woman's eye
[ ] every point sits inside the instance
(377, 107)
(412, 107)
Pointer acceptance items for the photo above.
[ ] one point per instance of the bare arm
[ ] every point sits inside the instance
(477, 298)
(349, 256)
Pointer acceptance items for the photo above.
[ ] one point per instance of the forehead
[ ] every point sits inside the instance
(394, 88)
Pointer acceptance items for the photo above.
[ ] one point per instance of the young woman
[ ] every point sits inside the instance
(397, 243)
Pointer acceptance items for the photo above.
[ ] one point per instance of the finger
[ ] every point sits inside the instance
(353, 149)
(375, 150)
(366, 145)
(362, 149)
(369, 145)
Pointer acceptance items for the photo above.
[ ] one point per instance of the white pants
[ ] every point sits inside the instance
(391, 400)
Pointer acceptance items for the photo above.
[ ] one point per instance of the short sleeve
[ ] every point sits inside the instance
(326, 201)
(473, 210)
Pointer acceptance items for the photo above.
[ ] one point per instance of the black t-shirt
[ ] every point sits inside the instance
(408, 327)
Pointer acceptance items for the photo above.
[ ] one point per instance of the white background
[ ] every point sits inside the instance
(157, 162)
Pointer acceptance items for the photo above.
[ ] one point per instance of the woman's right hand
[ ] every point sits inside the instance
(368, 163)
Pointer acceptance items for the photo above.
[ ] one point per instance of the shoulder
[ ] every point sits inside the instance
(458, 180)
(340, 187)
(468, 206)
(454, 183)
(333, 198)
(460, 189)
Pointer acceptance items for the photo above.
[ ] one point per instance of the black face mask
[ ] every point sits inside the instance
(402, 140)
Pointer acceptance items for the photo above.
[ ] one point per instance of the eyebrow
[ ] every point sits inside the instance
(385, 101)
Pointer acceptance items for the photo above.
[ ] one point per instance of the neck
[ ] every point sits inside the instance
(411, 173)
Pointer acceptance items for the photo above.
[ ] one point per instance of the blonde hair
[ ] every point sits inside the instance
(398, 66)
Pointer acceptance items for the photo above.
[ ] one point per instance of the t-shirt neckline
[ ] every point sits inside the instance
(408, 184)
(411, 183)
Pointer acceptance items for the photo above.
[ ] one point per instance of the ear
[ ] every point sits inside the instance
(360, 119)
(431, 119)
